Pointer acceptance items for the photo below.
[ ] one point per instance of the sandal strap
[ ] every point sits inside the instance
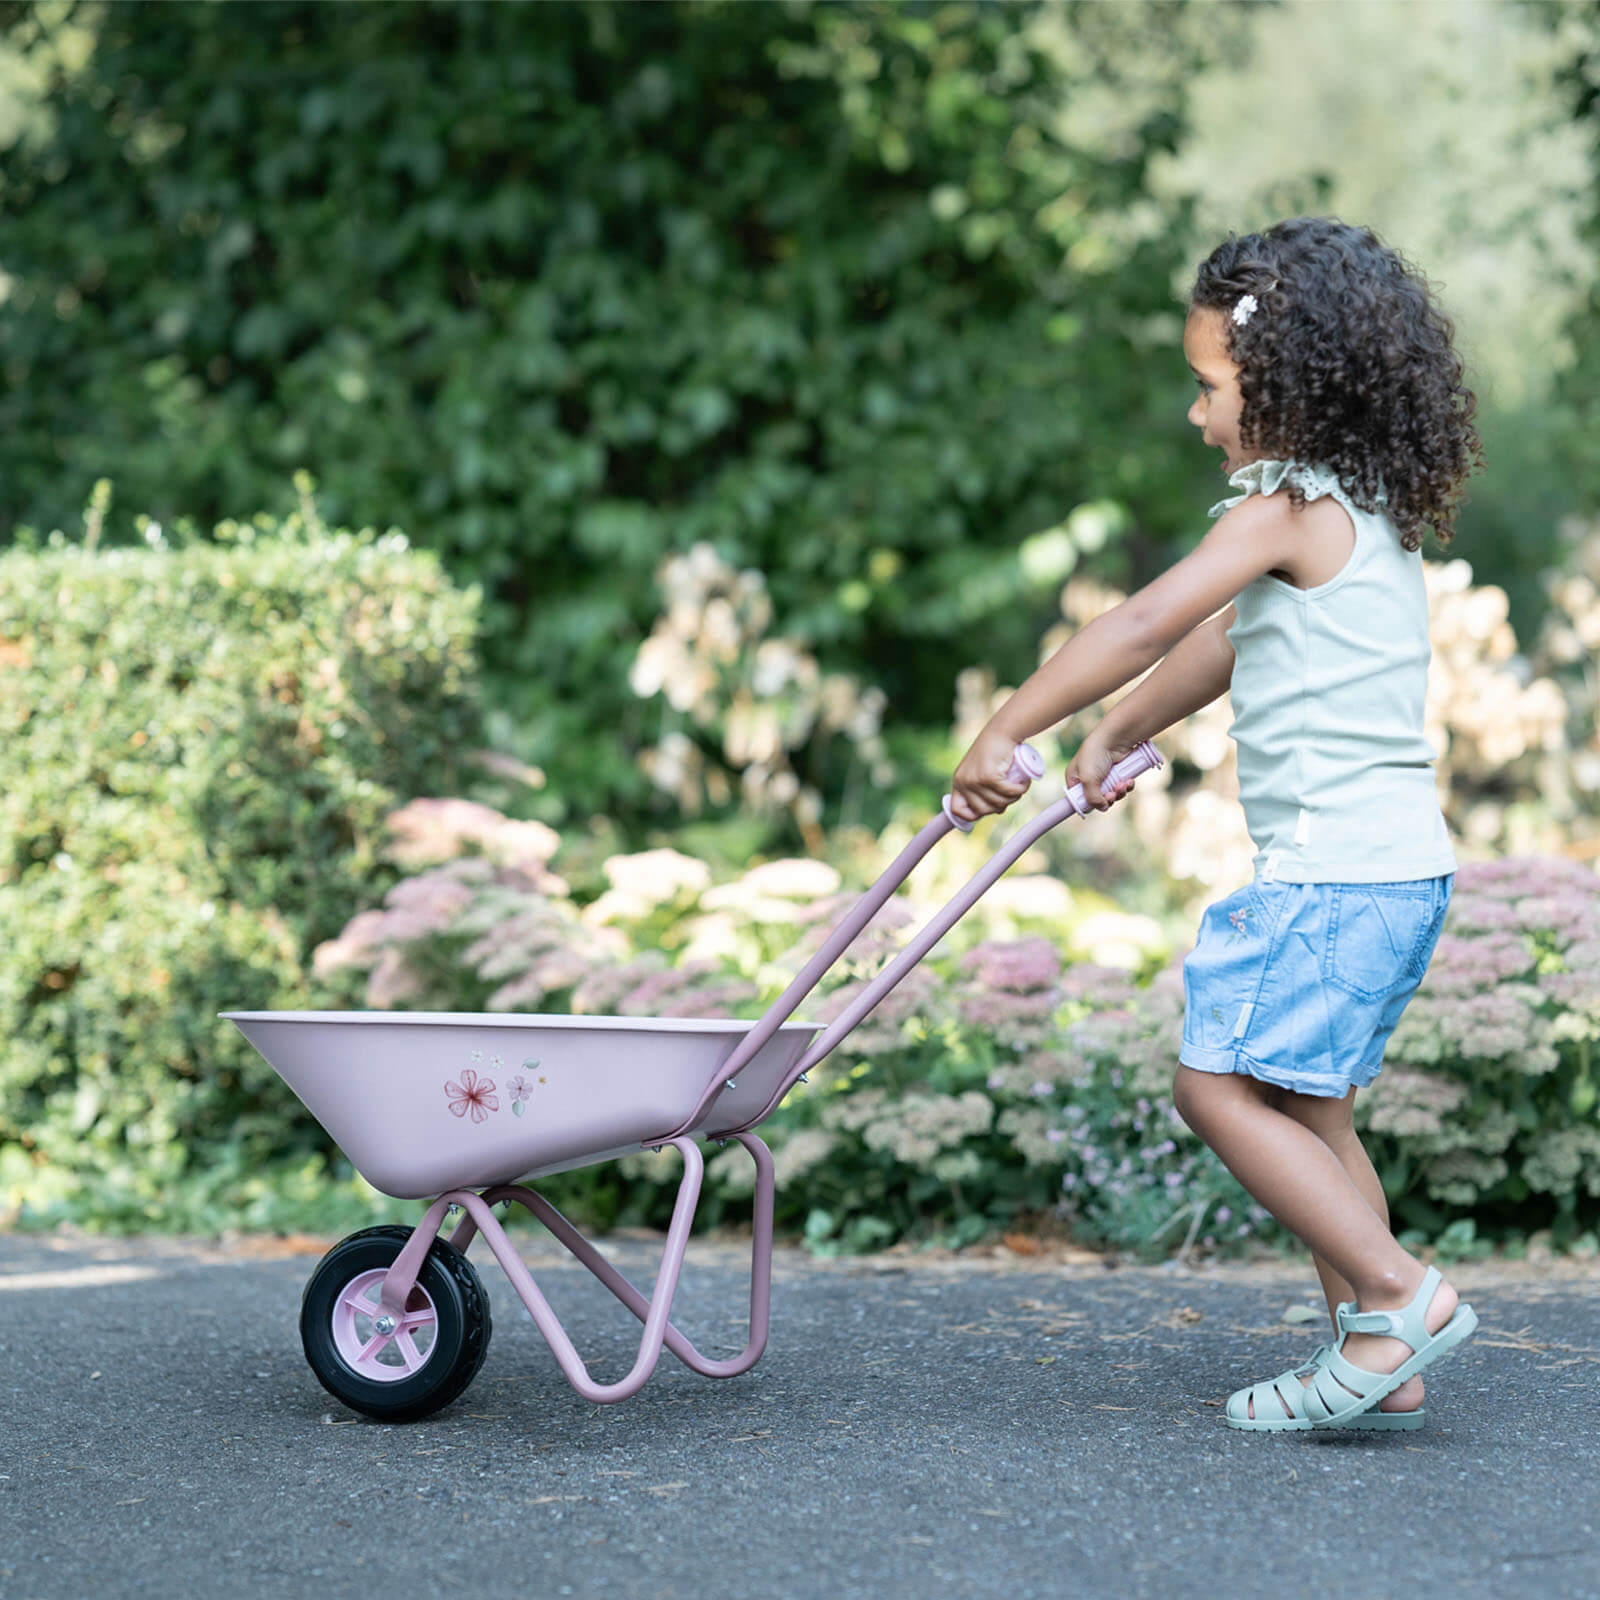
(1270, 1398)
(1315, 1359)
(1268, 1406)
(1326, 1394)
(1406, 1323)
(1372, 1322)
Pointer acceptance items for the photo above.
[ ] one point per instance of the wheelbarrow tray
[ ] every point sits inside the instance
(427, 1101)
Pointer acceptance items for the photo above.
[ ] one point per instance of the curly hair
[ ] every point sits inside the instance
(1347, 361)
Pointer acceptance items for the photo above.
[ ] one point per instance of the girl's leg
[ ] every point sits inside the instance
(1332, 1122)
(1300, 1180)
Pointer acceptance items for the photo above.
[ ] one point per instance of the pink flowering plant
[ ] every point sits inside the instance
(982, 1093)
(993, 1087)
(1487, 1101)
(1135, 1177)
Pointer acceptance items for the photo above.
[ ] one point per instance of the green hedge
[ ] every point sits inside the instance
(197, 749)
(838, 289)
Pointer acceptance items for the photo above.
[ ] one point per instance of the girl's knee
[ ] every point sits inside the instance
(1197, 1096)
(1185, 1090)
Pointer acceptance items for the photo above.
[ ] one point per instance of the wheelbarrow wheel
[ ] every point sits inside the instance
(395, 1370)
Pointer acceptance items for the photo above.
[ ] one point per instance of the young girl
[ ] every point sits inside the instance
(1328, 382)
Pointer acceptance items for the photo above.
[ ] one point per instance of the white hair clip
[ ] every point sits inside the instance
(1241, 312)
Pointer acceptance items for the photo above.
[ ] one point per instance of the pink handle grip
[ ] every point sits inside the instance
(1145, 757)
(1026, 765)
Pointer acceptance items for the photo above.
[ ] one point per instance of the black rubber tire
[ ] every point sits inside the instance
(461, 1339)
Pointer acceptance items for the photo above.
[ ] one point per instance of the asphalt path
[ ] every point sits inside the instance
(1026, 1426)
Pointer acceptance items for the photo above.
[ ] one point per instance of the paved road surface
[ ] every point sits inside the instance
(960, 1428)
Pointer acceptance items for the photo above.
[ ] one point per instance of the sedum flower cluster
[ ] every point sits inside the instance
(1000, 1079)
(1491, 1079)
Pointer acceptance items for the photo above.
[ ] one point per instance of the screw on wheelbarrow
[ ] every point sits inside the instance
(464, 1106)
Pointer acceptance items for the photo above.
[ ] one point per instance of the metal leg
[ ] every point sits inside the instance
(401, 1277)
(658, 1330)
(760, 1265)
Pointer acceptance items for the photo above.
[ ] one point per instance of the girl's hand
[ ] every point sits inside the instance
(980, 786)
(1096, 756)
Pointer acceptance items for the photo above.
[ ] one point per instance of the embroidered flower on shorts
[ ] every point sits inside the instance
(1241, 924)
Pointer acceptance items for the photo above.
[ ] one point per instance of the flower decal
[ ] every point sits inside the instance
(519, 1089)
(472, 1094)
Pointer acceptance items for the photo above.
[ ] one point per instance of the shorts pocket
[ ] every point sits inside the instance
(1378, 938)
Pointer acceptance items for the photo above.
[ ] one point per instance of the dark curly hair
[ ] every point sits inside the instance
(1347, 361)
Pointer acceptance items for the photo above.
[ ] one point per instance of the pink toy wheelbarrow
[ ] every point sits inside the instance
(462, 1106)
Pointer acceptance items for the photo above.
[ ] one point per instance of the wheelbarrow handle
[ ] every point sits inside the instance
(1142, 759)
(1026, 765)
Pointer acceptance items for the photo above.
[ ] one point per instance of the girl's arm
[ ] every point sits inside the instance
(1101, 657)
(1196, 672)
(1121, 644)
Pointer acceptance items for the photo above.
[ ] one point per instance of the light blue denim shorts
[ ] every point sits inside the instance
(1301, 984)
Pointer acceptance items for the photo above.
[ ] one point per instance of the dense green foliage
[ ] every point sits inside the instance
(562, 288)
(1578, 23)
(197, 751)
(836, 290)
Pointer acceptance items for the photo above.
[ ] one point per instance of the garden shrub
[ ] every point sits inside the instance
(198, 747)
(938, 1118)
(1484, 1112)
(993, 1085)
(1488, 1101)
(862, 294)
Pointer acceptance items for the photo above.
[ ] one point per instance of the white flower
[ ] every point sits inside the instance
(1241, 312)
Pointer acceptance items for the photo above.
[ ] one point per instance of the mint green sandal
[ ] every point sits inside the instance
(1326, 1402)
(1286, 1390)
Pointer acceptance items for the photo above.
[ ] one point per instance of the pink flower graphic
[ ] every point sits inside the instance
(474, 1094)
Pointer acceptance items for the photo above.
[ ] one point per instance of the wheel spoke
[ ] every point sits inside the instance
(407, 1346)
(360, 1303)
(373, 1345)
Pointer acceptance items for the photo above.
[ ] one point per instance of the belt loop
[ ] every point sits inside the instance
(1269, 872)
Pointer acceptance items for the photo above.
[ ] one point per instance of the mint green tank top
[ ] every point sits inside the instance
(1335, 775)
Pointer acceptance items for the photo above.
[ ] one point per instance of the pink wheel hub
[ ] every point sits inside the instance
(379, 1347)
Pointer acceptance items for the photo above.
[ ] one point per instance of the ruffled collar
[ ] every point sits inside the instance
(1267, 477)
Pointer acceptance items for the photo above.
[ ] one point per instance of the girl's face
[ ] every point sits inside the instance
(1216, 409)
